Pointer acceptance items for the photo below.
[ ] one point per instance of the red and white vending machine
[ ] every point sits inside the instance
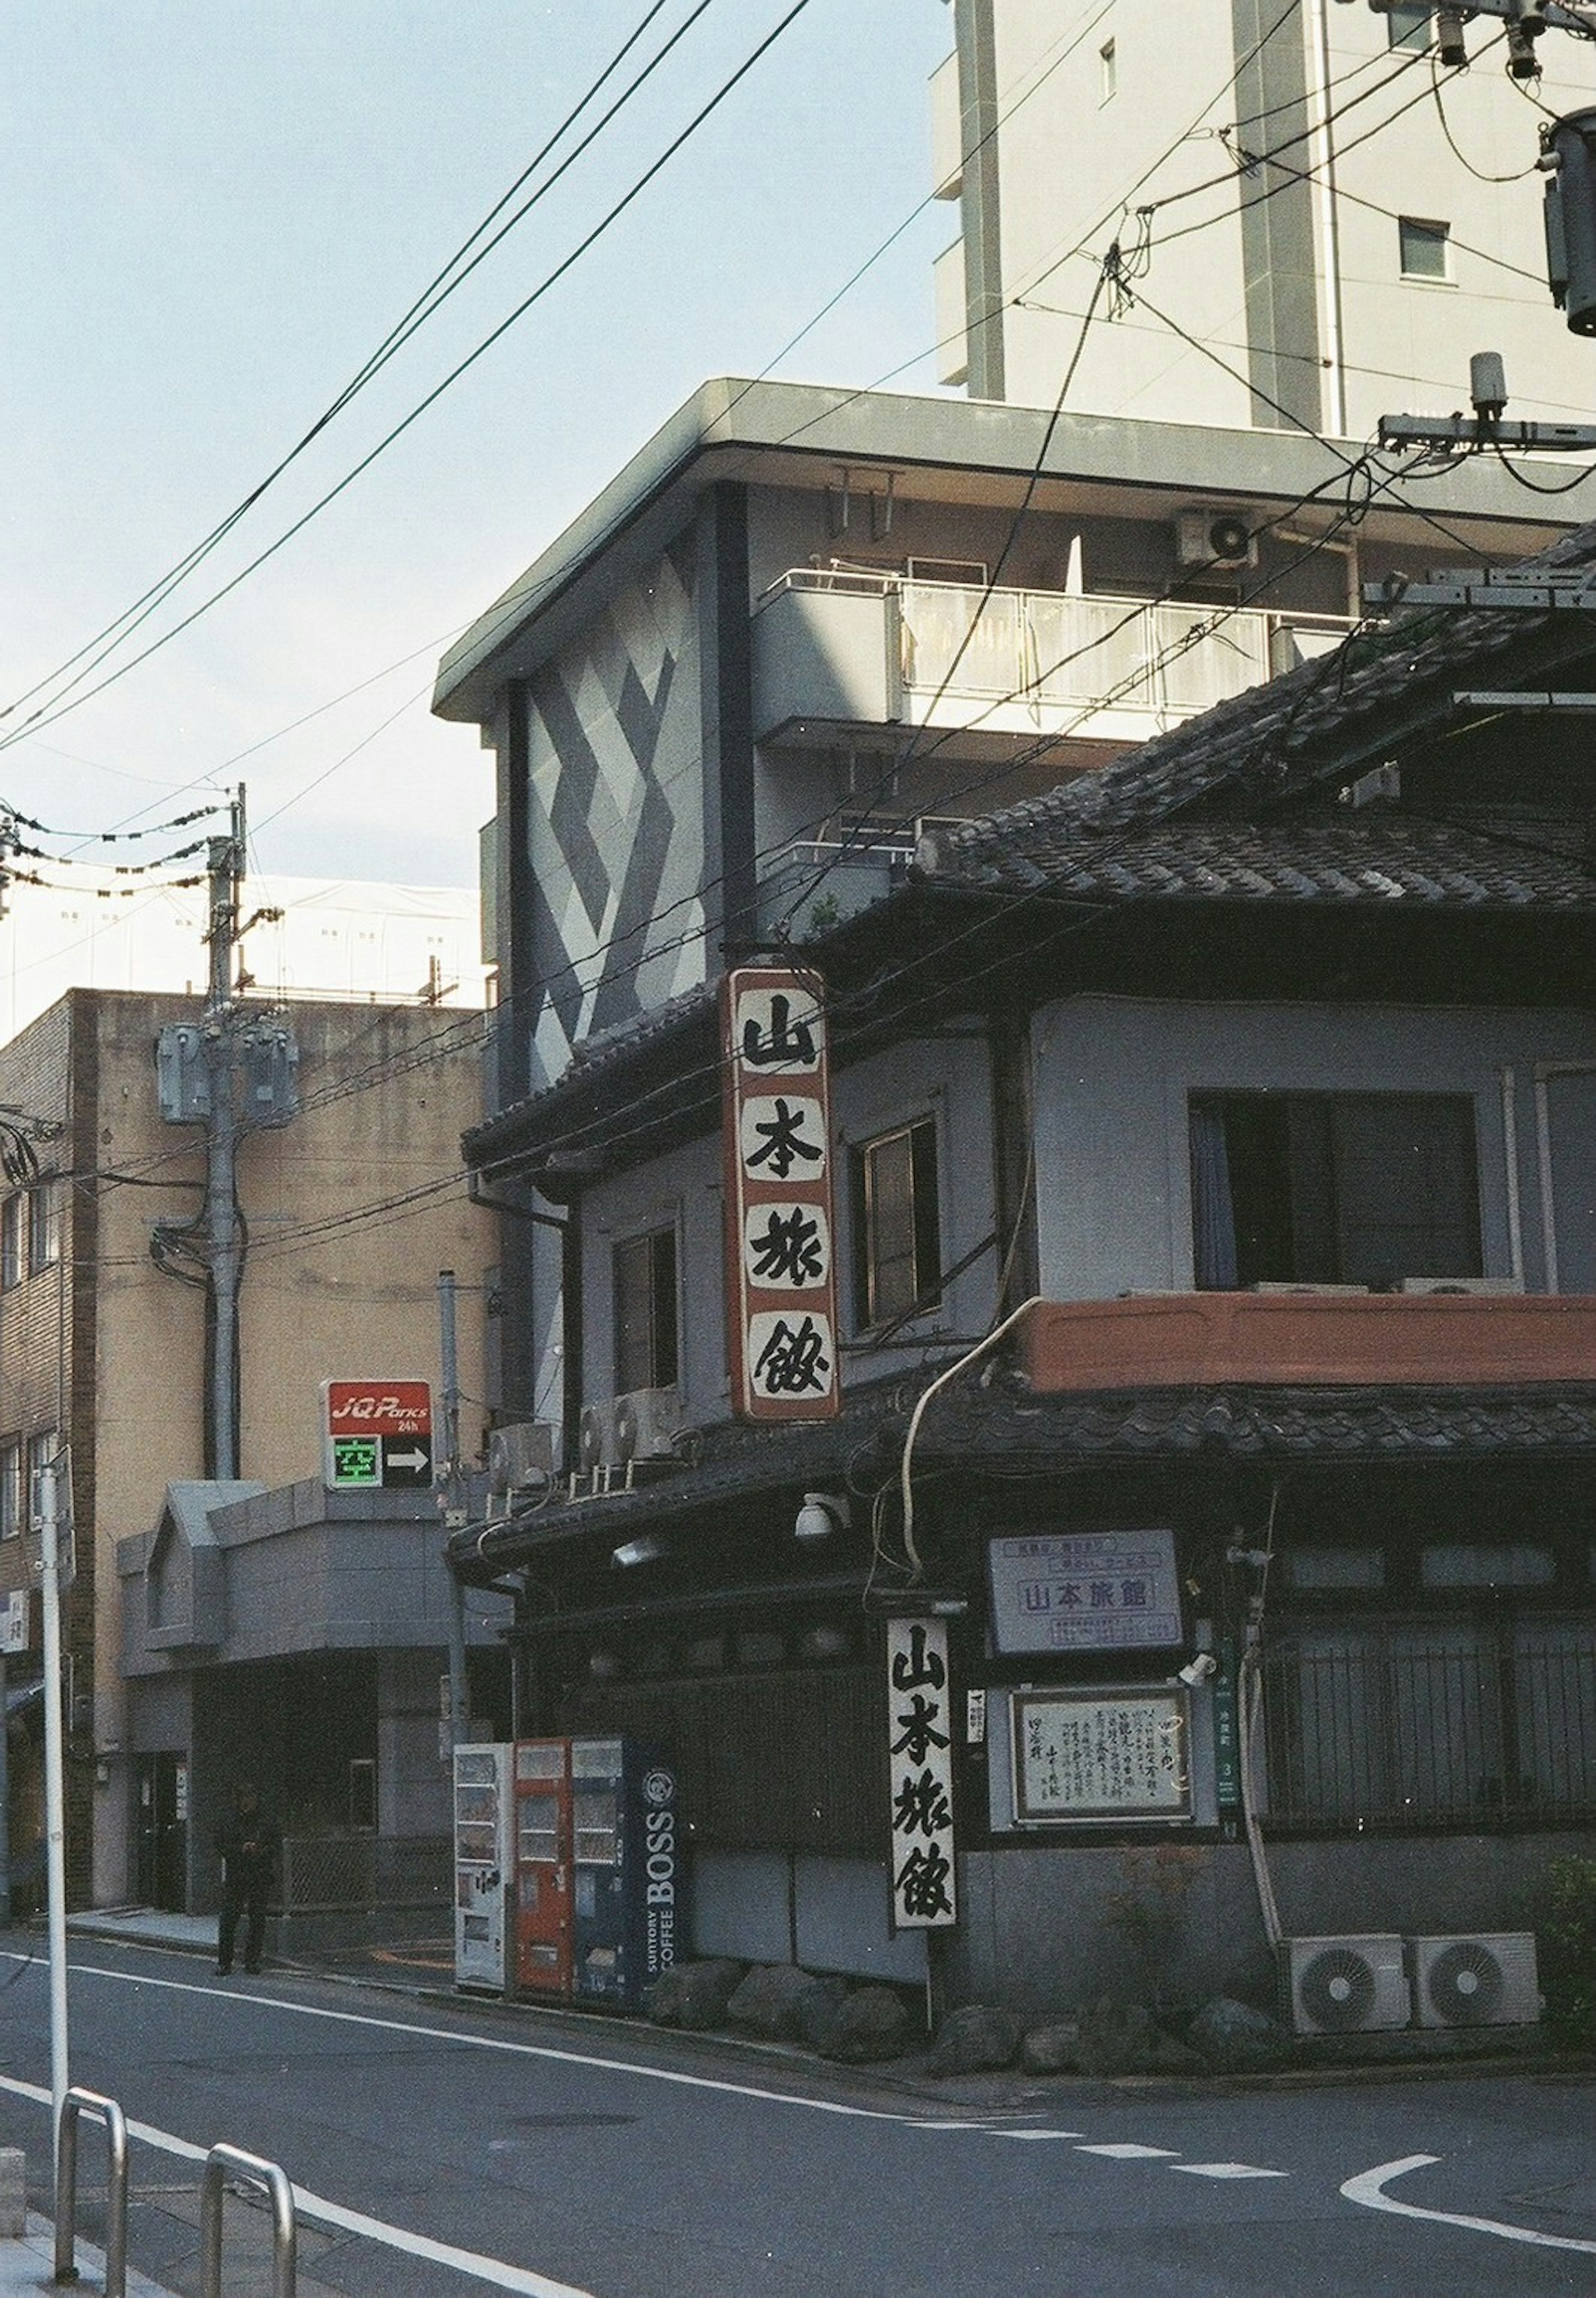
(483, 1865)
(542, 1892)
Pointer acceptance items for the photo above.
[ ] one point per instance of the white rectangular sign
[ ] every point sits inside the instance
(920, 1747)
(1055, 1591)
(13, 1622)
(1101, 1756)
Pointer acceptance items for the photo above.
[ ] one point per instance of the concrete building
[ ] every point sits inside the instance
(1194, 1022)
(351, 1211)
(725, 702)
(1396, 230)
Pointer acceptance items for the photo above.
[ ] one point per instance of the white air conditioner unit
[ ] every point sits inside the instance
(648, 1423)
(1485, 1285)
(1215, 538)
(596, 1436)
(1353, 1985)
(1488, 1981)
(521, 1456)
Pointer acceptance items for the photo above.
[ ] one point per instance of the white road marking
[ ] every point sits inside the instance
(498, 2271)
(1124, 2151)
(1033, 2134)
(1368, 2188)
(469, 2041)
(1225, 2171)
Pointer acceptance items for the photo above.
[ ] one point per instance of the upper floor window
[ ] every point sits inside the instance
(11, 1240)
(1426, 248)
(44, 1226)
(1354, 1188)
(644, 1277)
(11, 1488)
(897, 1246)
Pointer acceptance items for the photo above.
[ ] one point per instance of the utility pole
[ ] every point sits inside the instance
(454, 1505)
(54, 1792)
(226, 869)
(234, 1073)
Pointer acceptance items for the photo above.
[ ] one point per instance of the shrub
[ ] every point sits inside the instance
(1562, 1909)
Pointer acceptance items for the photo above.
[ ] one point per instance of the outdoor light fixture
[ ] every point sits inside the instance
(646, 1548)
(1198, 1669)
(821, 1514)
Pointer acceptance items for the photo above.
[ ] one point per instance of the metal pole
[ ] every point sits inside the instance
(4, 1806)
(54, 1794)
(226, 861)
(269, 2175)
(454, 1511)
(75, 2103)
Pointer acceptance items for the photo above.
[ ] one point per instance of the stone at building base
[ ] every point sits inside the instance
(871, 2023)
(695, 1995)
(974, 2039)
(1053, 2048)
(774, 1999)
(1124, 2039)
(13, 2193)
(1234, 2039)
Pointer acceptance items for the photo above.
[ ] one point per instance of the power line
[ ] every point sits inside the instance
(431, 299)
(49, 714)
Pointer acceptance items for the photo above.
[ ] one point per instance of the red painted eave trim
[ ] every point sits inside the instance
(1180, 1340)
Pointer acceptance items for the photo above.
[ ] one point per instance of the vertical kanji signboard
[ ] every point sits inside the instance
(781, 1269)
(919, 1750)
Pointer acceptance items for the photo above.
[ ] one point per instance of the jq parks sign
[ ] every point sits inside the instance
(377, 1436)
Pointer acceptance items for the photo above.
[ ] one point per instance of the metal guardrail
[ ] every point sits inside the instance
(77, 2103)
(218, 2163)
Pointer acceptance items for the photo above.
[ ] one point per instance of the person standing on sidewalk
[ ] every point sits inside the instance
(247, 1840)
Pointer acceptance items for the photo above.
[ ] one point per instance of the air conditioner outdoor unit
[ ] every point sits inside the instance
(1215, 538)
(1488, 1981)
(1485, 1285)
(521, 1456)
(1348, 1986)
(596, 1436)
(647, 1424)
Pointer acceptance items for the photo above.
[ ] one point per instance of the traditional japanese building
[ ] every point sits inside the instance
(1212, 1255)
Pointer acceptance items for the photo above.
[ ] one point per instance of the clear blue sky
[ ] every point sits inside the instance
(213, 214)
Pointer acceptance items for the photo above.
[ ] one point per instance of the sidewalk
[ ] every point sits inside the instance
(28, 2264)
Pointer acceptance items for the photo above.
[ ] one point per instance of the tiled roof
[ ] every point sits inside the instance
(972, 1430)
(1366, 1424)
(1380, 858)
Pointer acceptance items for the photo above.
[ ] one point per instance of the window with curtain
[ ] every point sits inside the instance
(1355, 1188)
(896, 1232)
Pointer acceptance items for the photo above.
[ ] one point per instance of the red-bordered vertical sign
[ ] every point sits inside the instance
(781, 1236)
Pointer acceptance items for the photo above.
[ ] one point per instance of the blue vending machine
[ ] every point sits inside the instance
(630, 1915)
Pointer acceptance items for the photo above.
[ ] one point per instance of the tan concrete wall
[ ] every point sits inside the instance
(340, 1280)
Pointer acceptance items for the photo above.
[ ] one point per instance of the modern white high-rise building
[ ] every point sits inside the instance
(1318, 221)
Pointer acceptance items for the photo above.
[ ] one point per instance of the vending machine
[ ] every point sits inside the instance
(481, 1865)
(543, 1891)
(630, 1901)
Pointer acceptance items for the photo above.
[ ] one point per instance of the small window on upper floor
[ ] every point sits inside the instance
(1108, 70)
(11, 1488)
(1333, 1188)
(1408, 28)
(44, 1226)
(644, 1275)
(11, 1238)
(897, 1231)
(1426, 248)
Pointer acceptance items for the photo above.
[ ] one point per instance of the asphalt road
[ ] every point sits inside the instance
(438, 2150)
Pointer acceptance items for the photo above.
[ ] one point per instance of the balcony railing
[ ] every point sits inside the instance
(831, 644)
